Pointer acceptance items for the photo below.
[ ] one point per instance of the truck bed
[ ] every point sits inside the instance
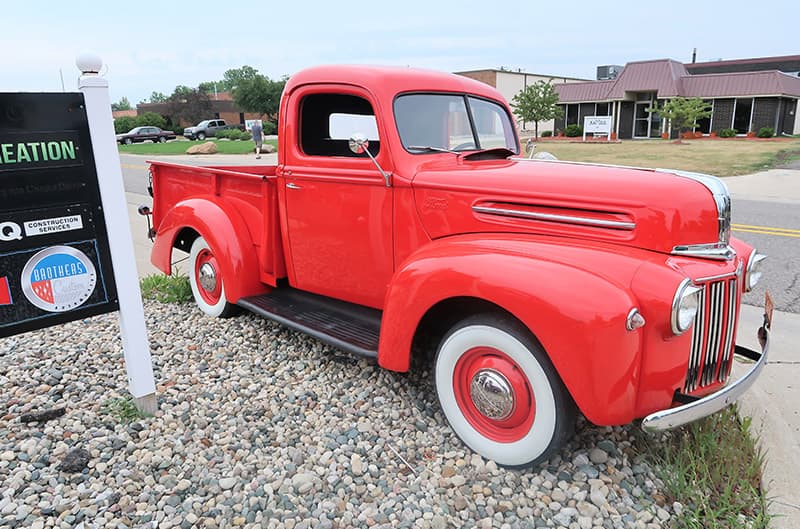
(249, 191)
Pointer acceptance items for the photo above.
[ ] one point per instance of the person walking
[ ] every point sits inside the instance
(258, 137)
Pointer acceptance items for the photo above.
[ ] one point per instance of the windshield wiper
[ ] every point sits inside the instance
(430, 149)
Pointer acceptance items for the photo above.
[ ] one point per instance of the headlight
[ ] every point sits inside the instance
(684, 306)
(754, 270)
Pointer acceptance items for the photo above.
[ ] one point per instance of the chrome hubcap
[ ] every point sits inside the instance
(492, 395)
(207, 277)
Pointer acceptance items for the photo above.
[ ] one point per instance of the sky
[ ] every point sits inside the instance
(155, 46)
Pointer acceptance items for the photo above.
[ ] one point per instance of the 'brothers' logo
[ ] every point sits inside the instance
(58, 279)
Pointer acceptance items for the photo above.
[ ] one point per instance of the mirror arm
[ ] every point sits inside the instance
(386, 176)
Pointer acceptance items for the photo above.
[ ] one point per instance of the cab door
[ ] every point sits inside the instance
(338, 206)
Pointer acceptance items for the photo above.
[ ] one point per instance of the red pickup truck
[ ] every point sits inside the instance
(400, 220)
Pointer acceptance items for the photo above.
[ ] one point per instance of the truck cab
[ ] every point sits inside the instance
(400, 218)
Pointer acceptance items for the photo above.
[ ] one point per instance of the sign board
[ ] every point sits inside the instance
(597, 125)
(55, 262)
(248, 124)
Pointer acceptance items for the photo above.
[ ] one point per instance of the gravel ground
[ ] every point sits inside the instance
(263, 427)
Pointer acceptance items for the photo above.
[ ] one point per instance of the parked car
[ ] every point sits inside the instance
(207, 129)
(401, 219)
(139, 134)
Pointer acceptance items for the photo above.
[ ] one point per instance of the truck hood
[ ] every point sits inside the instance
(657, 210)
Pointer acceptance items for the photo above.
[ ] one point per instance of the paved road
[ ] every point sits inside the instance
(774, 228)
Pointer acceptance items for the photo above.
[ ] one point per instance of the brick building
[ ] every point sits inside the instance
(222, 107)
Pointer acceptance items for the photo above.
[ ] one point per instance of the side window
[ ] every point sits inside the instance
(328, 120)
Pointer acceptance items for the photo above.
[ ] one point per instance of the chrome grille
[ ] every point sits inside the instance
(713, 334)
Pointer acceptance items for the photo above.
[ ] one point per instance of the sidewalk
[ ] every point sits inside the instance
(773, 403)
(141, 244)
(777, 185)
(774, 400)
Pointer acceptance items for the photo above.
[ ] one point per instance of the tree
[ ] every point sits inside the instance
(260, 95)
(230, 80)
(124, 124)
(122, 104)
(158, 97)
(537, 102)
(151, 119)
(683, 113)
(188, 105)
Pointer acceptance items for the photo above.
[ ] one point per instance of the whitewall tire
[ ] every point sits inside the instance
(500, 393)
(207, 281)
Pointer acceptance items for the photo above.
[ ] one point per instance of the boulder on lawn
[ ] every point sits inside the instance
(208, 147)
(268, 148)
(544, 155)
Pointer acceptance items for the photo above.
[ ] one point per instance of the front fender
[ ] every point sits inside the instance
(577, 315)
(220, 224)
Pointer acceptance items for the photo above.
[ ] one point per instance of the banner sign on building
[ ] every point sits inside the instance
(55, 263)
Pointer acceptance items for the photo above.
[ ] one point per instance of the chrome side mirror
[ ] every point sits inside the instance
(359, 144)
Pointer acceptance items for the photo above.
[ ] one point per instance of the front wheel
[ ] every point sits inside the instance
(207, 282)
(201, 136)
(500, 393)
(162, 139)
(128, 141)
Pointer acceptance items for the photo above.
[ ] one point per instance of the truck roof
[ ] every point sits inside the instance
(386, 81)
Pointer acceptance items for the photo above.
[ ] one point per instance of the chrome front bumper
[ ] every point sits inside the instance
(697, 409)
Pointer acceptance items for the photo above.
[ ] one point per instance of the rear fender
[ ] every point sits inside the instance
(577, 316)
(226, 232)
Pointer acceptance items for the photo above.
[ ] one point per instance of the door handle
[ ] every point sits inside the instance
(291, 185)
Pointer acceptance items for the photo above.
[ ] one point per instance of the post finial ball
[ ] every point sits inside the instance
(89, 63)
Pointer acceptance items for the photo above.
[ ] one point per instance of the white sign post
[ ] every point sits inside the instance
(597, 125)
(135, 345)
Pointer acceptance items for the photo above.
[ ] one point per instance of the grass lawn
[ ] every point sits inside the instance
(180, 146)
(716, 157)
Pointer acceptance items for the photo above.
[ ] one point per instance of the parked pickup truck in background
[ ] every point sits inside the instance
(206, 129)
(400, 218)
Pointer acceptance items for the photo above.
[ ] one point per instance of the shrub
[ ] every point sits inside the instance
(573, 131)
(151, 119)
(547, 133)
(766, 132)
(233, 134)
(124, 124)
(727, 133)
(227, 134)
(270, 127)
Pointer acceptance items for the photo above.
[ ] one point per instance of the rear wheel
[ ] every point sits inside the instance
(207, 282)
(500, 393)
(162, 139)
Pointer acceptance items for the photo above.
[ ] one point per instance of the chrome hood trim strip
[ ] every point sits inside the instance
(551, 217)
(722, 199)
(706, 251)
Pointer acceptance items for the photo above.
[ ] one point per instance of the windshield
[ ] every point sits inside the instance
(455, 122)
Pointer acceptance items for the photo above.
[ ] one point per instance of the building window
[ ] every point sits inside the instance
(704, 124)
(572, 115)
(602, 110)
(742, 114)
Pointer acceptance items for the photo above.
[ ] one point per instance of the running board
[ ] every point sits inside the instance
(350, 327)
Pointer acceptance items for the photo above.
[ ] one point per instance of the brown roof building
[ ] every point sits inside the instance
(741, 99)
